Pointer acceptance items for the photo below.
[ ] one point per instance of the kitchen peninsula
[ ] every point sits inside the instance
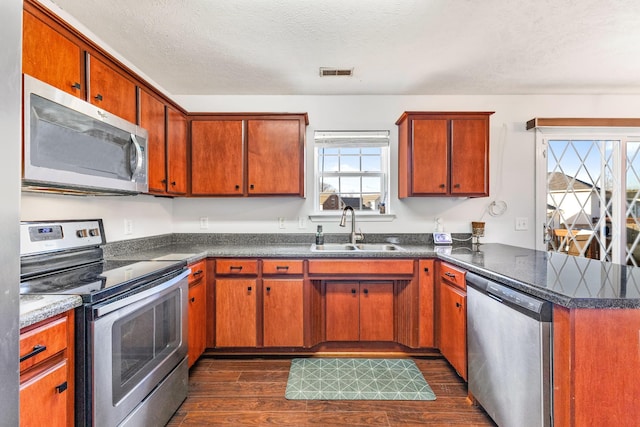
(596, 314)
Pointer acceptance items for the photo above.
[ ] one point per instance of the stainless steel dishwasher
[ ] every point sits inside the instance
(509, 353)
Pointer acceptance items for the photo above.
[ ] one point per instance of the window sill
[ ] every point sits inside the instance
(360, 217)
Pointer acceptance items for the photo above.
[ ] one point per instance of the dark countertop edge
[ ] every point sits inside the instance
(200, 252)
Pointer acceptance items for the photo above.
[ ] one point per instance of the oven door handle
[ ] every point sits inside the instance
(154, 291)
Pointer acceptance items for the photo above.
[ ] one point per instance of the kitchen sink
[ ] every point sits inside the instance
(360, 247)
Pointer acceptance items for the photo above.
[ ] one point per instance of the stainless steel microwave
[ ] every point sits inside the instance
(72, 146)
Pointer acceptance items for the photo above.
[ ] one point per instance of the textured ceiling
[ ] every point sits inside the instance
(396, 47)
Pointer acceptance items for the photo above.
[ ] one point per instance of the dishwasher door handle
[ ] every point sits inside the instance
(495, 297)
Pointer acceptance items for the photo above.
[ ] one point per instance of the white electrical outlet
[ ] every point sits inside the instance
(281, 222)
(128, 226)
(522, 223)
(302, 222)
(204, 223)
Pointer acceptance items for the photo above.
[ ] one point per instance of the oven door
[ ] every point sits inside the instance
(137, 341)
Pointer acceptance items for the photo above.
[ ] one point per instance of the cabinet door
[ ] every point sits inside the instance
(111, 90)
(469, 156)
(376, 311)
(44, 398)
(283, 313)
(236, 313)
(426, 323)
(275, 157)
(342, 311)
(453, 327)
(176, 152)
(217, 158)
(430, 157)
(51, 57)
(197, 319)
(152, 119)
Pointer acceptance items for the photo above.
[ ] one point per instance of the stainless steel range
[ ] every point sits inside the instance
(131, 331)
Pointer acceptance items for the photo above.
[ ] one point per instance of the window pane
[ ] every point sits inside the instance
(371, 163)
(349, 151)
(349, 185)
(330, 202)
(633, 203)
(328, 163)
(352, 201)
(349, 163)
(372, 150)
(371, 184)
(333, 151)
(329, 185)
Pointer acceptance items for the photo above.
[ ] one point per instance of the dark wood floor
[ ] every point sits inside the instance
(250, 392)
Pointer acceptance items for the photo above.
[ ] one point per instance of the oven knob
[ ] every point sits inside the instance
(94, 232)
(81, 233)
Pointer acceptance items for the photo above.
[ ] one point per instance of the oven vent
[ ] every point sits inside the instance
(327, 72)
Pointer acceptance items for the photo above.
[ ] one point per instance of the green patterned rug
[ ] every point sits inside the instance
(356, 379)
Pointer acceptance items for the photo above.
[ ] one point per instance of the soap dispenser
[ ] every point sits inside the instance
(319, 236)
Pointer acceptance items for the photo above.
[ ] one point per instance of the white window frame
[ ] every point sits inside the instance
(357, 138)
(622, 134)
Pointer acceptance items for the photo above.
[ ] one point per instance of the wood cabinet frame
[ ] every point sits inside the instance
(215, 182)
(438, 165)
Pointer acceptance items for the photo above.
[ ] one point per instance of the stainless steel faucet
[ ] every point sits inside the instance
(343, 222)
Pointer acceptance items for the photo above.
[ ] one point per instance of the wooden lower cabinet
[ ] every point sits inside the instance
(46, 372)
(453, 327)
(197, 331)
(283, 318)
(359, 311)
(426, 303)
(595, 352)
(452, 317)
(342, 311)
(236, 316)
(40, 401)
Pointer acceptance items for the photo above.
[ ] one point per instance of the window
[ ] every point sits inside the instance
(352, 169)
(589, 193)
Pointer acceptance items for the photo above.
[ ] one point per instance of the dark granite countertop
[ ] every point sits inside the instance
(568, 281)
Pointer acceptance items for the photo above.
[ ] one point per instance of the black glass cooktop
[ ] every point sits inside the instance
(100, 280)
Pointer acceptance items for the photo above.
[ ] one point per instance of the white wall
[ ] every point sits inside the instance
(150, 215)
(512, 169)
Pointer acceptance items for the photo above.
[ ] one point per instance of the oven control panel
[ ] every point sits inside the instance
(47, 236)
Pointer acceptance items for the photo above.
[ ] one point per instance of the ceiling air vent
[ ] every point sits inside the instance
(326, 72)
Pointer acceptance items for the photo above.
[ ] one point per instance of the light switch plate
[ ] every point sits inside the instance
(442, 238)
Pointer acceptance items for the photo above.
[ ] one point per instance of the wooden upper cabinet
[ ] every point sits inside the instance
(50, 56)
(111, 90)
(275, 157)
(152, 118)
(430, 157)
(239, 154)
(470, 156)
(176, 152)
(443, 154)
(216, 158)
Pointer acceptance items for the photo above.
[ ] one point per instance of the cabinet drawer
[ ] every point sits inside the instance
(453, 275)
(43, 342)
(198, 270)
(44, 399)
(237, 266)
(360, 267)
(282, 266)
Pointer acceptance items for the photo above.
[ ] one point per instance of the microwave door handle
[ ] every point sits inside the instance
(138, 164)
